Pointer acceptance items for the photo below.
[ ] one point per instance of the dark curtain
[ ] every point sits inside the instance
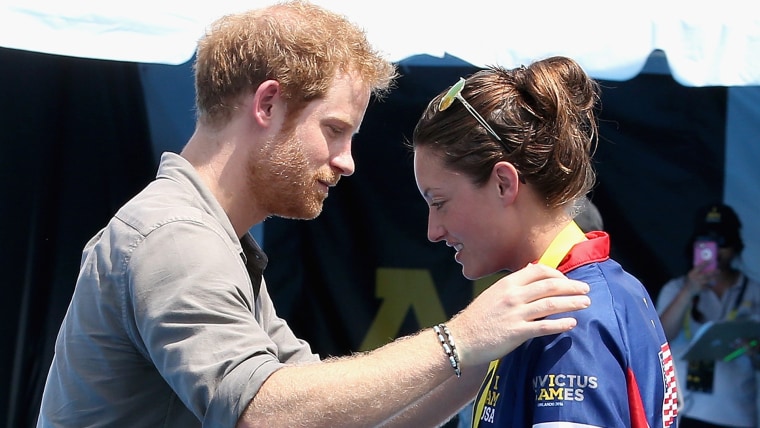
(75, 146)
(661, 156)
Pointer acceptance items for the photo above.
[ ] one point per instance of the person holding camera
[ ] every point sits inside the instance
(716, 393)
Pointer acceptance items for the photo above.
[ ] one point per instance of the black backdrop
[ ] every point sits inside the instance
(76, 145)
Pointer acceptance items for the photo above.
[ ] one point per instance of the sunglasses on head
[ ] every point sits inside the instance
(456, 93)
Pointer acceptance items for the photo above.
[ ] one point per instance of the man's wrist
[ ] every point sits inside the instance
(449, 347)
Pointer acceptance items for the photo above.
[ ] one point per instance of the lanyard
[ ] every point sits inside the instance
(561, 245)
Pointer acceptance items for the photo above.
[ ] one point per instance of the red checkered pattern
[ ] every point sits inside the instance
(670, 402)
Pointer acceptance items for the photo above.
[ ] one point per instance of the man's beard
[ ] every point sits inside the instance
(282, 181)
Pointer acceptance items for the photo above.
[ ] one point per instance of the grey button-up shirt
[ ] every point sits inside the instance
(170, 324)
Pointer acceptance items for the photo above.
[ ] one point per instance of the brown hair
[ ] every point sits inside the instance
(301, 45)
(544, 115)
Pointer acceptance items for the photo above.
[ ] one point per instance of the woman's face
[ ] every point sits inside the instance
(470, 219)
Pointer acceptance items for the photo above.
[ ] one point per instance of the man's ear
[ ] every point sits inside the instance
(507, 179)
(266, 100)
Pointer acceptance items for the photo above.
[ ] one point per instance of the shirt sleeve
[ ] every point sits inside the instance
(193, 315)
(577, 377)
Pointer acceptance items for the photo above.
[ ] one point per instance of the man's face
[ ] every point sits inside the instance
(292, 173)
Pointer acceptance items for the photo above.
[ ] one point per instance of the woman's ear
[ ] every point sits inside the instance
(508, 181)
(265, 100)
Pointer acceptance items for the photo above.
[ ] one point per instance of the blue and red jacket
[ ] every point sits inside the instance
(614, 369)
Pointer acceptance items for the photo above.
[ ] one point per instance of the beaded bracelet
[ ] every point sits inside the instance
(447, 343)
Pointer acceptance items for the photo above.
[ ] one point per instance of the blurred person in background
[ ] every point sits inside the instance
(715, 393)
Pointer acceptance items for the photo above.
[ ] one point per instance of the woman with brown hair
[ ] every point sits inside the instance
(503, 159)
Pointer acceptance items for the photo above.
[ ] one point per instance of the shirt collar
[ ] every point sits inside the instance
(572, 248)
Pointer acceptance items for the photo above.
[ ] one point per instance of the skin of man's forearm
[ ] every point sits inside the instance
(443, 403)
(362, 390)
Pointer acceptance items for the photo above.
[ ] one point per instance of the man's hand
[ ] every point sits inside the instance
(512, 311)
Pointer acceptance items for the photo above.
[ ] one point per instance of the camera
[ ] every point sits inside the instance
(706, 255)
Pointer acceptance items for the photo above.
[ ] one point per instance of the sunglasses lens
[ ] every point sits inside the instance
(445, 102)
(451, 95)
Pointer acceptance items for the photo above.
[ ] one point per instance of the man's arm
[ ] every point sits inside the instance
(371, 388)
(444, 402)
